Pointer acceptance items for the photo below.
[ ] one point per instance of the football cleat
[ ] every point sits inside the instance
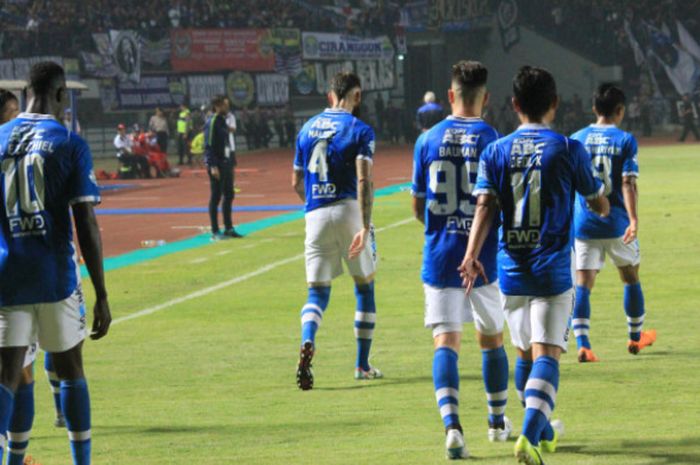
(305, 376)
(372, 373)
(60, 421)
(527, 453)
(551, 446)
(647, 338)
(501, 434)
(587, 356)
(232, 233)
(454, 445)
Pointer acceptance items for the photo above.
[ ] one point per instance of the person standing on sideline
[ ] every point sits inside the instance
(159, 125)
(688, 113)
(220, 161)
(430, 113)
(36, 240)
(532, 175)
(333, 177)
(184, 127)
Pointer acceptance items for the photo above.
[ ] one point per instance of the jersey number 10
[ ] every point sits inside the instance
(23, 186)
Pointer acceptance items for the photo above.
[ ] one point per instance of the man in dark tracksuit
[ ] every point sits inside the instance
(220, 163)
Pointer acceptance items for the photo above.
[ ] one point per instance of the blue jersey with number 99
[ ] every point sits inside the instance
(444, 172)
(45, 169)
(535, 174)
(327, 149)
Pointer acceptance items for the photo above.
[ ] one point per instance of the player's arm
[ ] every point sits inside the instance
(418, 187)
(298, 183)
(365, 197)
(91, 250)
(471, 268)
(630, 195)
(419, 208)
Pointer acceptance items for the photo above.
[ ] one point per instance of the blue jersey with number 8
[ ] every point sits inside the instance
(45, 169)
(535, 173)
(444, 172)
(327, 149)
(614, 155)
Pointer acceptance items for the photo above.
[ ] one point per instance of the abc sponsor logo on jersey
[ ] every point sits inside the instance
(458, 143)
(600, 144)
(324, 128)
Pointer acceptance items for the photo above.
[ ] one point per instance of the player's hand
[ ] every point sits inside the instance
(630, 233)
(470, 270)
(215, 173)
(102, 318)
(358, 243)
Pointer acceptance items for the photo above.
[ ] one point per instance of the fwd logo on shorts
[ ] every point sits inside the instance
(32, 225)
(323, 191)
(458, 225)
(519, 238)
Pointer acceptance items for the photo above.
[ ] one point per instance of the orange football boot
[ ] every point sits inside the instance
(586, 356)
(647, 338)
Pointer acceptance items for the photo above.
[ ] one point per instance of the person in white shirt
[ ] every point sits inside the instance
(124, 145)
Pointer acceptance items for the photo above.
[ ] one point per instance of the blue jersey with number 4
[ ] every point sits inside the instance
(535, 173)
(444, 172)
(614, 155)
(45, 169)
(327, 149)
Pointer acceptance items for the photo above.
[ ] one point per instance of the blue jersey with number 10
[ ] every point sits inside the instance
(535, 173)
(45, 169)
(327, 149)
(444, 172)
(614, 155)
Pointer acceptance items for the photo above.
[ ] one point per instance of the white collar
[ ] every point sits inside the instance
(533, 126)
(602, 126)
(35, 116)
(336, 110)
(472, 119)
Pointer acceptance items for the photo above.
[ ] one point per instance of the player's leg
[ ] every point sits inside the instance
(214, 199)
(62, 329)
(323, 264)
(22, 413)
(489, 318)
(590, 257)
(55, 385)
(627, 258)
(226, 173)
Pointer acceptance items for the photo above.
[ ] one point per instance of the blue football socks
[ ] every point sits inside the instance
(634, 308)
(581, 321)
(494, 366)
(446, 380)
(540, 397)
(6, 407)
(312, 312)
(75, 400)
(20, 424)
(365, 318)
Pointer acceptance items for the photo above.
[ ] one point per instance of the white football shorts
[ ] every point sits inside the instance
(590, 253)
(447, 309)
(543, 320)
(57, 326)
(329, 233)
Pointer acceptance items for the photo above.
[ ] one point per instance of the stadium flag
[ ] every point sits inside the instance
(272, 89)
(687, 41)
(286, 42)
(126, 53)
(221, 50)
(639, 57)
(682, 68)
(203, 87)
(508, 23)
(334, 47)
(155, 52)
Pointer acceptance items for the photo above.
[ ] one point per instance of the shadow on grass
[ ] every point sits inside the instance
(389, 381)
(685, 451)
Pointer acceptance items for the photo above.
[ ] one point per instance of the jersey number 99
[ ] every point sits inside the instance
(449, 187)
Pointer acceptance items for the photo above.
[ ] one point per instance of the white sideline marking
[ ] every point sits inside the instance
(223, 252)
(230, 282)
(198, 260)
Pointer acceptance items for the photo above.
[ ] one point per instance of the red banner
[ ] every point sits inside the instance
(221, 49)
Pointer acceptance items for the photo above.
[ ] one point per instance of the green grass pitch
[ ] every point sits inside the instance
(210, 380)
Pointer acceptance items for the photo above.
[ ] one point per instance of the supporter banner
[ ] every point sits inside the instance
(286, 42)
(272, 89)
(126, 53)
(152, 91)
(446, 15)
(221, 49)
(18, 68)
(305, 80)
(508, 23)
(202, 88)
(155, 53)
(240, 89)
(374, 74)
(327, 46)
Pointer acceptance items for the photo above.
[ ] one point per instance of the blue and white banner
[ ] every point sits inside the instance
(335, 47)
(18, 68)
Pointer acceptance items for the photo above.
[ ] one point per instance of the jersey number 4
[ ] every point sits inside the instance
(318, 163)
(23, 185)
(448, 187)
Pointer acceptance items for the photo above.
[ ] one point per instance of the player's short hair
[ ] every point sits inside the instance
(535, 90)
(6, 96)
(45, 76)
(343, 82)
(218, 100)
(470, 78)
(607, 99)
(429, 97)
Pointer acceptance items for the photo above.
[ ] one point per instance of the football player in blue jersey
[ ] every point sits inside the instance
(532, 175)
(444, 172)
(614, 155)
(46, 174)
(333, 176)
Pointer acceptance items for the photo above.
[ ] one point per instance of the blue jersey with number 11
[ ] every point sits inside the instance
(45, 170)
(444, 172)
(327, 149)
(535, 173)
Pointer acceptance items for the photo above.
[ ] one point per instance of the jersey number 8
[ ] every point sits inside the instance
(448, 187)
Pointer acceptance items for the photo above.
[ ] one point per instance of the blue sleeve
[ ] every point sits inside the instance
(418, 188)
(585, 183)
(486, 178)
(83, 183)
(630, 167)
(298, 155)
(366, 144)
